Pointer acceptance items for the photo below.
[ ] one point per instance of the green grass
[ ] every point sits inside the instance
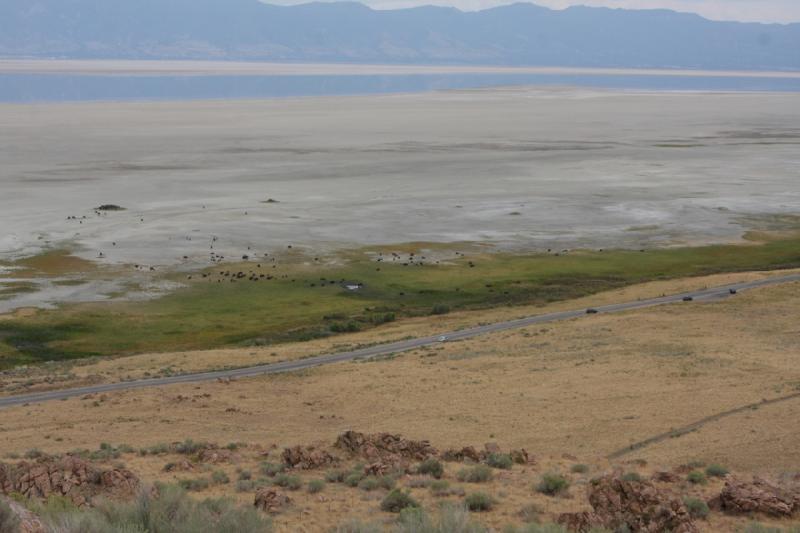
(207, 314)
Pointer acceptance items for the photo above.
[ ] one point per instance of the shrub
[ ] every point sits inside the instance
(288, 482)
(353, 479)
(350, 326)
(245, 485)
(34, 453)
(387, 482)
(500, 460)
(545, 528)
(631, 476)
(335, 476)
(419, 482)
(190, 447)
(220, 478)
(397, 500)
(272, 469)
(369, 483)
(696, 477)
(167, 510)
(476, 474)
(9, 521)
(431, 467)
(530, 513)
(156, 449)
(244, 475)
(479, 501)
(579, 469)
(440, 487)
(316, 485)
(383, 319)
(195, 484)
(451, 519)
(440, 309)
(355, 526)
(697, 508)
(716, 470)
(552, 484)
(755, 527)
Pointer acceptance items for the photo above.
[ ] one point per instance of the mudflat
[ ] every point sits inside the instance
(520, 168)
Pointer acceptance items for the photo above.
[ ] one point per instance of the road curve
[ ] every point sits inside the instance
(710, 294)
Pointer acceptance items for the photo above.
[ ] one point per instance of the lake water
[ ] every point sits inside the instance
(22, 88)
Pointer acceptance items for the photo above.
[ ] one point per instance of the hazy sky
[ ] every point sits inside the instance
(744, 10)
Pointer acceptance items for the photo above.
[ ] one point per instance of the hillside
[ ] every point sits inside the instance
(519, 34)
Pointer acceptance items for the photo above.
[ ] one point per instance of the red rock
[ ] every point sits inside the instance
(270, 500)
(307, 457)
(759, 496)
(382, 445)
(521, 457)
(491, 447)
(215, 455)
(465, 453)
(28, 522)
(666, 477)
(72, 477)
(639, 505)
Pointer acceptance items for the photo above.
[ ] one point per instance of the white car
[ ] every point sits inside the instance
(443, 338)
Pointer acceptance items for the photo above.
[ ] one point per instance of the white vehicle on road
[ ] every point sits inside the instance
(442, 338)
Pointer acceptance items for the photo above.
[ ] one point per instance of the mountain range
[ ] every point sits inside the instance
(517, 34)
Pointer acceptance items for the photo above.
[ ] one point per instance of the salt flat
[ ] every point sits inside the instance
(521, 168)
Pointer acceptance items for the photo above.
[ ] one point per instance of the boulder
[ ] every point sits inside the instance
(582, 522)
(466, 453)
(215, 456)
(637, 505)
(521, 457)
(384, 445)
(71, 477)
(270, 500)
(27, 522)
(491, 447)
(307, 457)
(758, 496)
(666, 477)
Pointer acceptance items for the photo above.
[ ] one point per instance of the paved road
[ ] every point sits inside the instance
(715, 293)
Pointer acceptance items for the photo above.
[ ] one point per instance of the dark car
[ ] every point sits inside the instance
(687, 298)
(733, 291)
(591, 311)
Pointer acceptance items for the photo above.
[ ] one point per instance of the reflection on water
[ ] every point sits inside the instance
(47, 88)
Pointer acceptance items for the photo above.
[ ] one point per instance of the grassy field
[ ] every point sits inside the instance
(305, 300)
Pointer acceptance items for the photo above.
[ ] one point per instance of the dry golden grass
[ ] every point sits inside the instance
(584, 387)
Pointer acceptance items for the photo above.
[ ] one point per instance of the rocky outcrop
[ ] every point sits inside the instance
(637, 505)
(214, 455)
(71, 477)
(467, 453)
(270, 500)
(385, 445)
(758, 496)
(23, 520)
(308, 457)
(666, 477)
(183, 465)
(521, 457)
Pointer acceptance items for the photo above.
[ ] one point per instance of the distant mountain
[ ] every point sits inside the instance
(519, 34)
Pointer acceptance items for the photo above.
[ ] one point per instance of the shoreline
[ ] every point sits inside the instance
(118, 67)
